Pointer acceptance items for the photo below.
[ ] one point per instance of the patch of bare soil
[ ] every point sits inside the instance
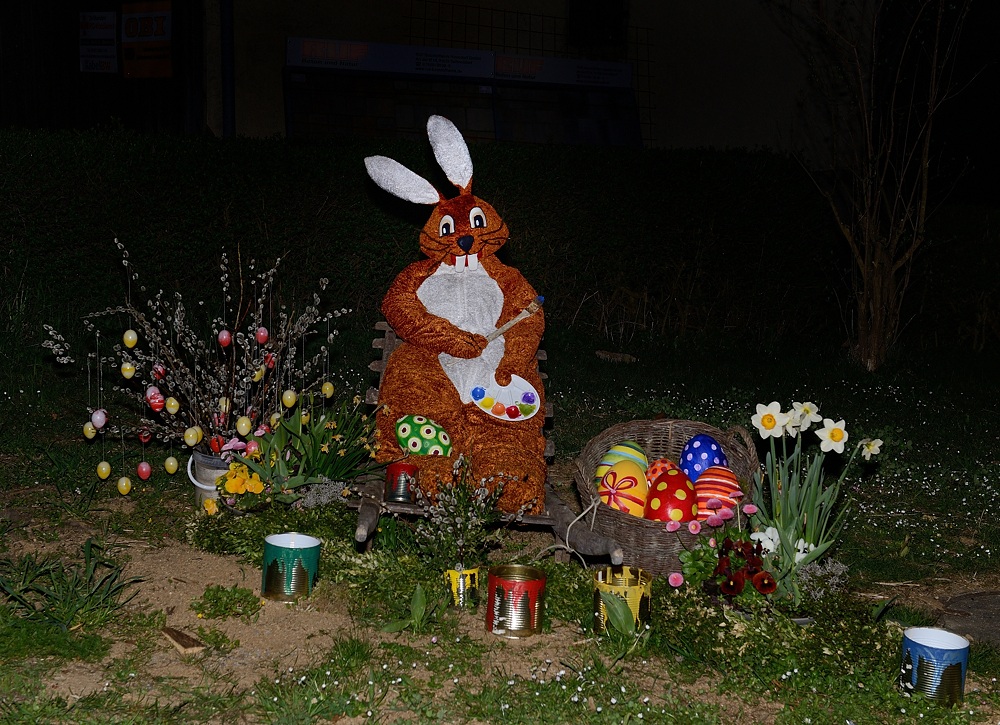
(297, 636)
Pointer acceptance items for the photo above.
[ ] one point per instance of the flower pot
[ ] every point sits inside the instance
(515, 600)
(204, 470)
(464, 586)
(631, 584)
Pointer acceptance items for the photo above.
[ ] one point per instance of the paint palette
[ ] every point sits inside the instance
(513, 402)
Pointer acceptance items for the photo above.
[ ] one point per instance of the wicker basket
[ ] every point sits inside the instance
(647, 544)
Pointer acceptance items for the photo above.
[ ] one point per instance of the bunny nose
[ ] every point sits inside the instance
(465, 243)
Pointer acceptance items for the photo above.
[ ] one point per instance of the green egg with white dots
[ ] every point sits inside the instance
(420, 436)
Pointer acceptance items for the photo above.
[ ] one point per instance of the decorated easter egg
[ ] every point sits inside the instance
(170, 465)
(671, 497)
(156, 402)
(718, 482)
(327, 389)
(89, 430)
(658, 467)
(128, 369)
(145, 435)
(191, 436)
(258, 374)
(172, 405)
(261, 335)
(103, 470)
(130, 338)
(99, 417)
(225, 337)
(144, 470)
(305, 417)
(151, 391)
(269, 359)
(288, 398)
(624, 451)
(159, 372)
(243, 425)
(623, 487)
(700, 452)
(124, 485)
(421, 436)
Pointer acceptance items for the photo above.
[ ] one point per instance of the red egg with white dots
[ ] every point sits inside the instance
(671, 497)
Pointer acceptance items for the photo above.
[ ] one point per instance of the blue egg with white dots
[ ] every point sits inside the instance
(478, 392)
(528, 398)
(701, 452)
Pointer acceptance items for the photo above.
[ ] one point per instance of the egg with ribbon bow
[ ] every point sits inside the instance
(623, 487)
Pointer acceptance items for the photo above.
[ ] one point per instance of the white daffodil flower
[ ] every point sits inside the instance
(768, 539)
(870, 448)
(769, 420)
(806, 414)
(832, 436)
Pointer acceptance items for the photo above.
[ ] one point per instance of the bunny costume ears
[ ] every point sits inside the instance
(452, 156)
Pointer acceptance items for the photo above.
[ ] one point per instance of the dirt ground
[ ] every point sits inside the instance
(297, 636)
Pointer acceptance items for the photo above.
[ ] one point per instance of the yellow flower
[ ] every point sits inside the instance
(325, 448)
(236, 482)
(342, 452)
(330, 425)
(255, 485)
(210, 506)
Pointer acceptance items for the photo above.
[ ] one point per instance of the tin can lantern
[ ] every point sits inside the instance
(515, 599)
(291, 566)
(464, 586)
(934, 663)
(631, 584)
(401, 482)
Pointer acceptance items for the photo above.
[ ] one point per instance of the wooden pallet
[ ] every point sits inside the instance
(371, 502)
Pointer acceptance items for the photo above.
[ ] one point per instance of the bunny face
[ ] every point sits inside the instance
(460, 227)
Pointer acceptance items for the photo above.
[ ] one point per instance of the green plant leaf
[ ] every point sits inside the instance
(398, 625)
(619, 615)
(418, 605)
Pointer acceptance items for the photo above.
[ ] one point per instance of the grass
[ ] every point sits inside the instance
(926, 507)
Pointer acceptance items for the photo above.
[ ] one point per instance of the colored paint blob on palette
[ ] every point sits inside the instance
(513, 402)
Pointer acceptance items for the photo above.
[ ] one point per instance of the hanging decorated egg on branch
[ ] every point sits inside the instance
(327, 390)
(172, 405)
(124, 485)
(103, 470)
(99, 417)
(288, 398)
(225, 337)
(170, 465)
(144, 470)
(130, 338)
(128, 370)
(89, 430)
(261, 335)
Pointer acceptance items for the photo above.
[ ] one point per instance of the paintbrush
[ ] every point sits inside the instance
(534, 306)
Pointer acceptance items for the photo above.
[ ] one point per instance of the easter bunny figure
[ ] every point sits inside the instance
(456, 366)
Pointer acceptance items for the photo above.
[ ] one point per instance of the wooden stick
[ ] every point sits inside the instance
(534, 306)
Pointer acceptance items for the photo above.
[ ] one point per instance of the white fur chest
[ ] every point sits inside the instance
(472, 301)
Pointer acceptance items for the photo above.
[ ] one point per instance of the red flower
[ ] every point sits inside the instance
(723, 567)
(764, 583)
(733, 584)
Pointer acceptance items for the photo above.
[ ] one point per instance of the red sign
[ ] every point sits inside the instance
(146, 39)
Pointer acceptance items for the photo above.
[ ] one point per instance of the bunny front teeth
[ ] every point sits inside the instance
(470, 261)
